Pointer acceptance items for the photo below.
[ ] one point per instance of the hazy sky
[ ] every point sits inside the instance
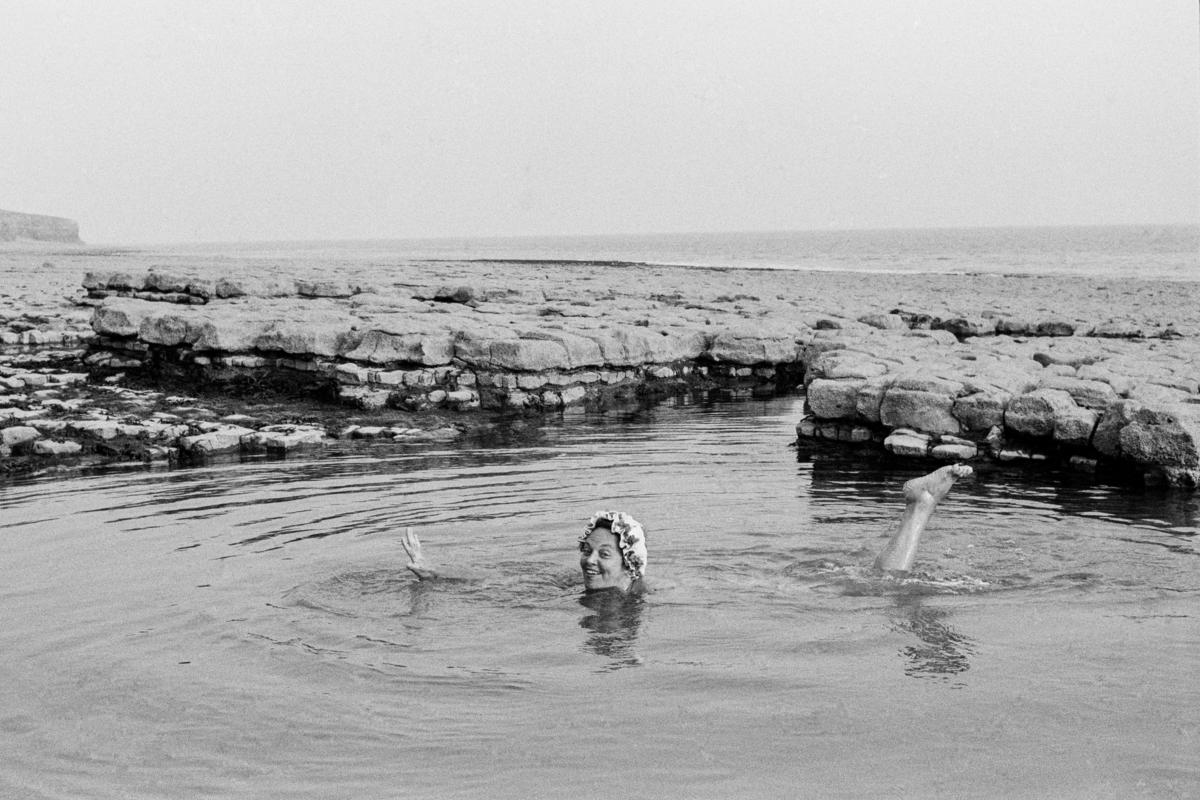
(217, 121)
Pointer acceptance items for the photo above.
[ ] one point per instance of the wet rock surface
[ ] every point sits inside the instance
(1130, 405)
(947, 367)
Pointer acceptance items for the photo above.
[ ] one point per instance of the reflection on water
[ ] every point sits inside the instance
(943, 652)
(250, 629)
(613, 626)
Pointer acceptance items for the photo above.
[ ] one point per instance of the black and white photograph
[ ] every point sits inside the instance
(525, 399)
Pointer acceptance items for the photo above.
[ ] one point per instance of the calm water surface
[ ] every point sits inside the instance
(1111, 251)
(248, 630)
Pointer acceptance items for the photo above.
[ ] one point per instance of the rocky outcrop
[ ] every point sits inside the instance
(951, 388)
(1089, 401)
(374, 356)
(950, 382)
(15, 226)
(53, 418)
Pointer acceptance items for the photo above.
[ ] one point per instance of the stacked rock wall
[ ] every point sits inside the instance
(446, 348)
(1119, 395)
(1094, 401)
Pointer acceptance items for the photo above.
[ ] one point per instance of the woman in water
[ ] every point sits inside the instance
(612, 549)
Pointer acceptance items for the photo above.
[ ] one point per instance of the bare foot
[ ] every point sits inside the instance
(937, 483)
(921, 496)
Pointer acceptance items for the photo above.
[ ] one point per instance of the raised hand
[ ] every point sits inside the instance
(416, 560)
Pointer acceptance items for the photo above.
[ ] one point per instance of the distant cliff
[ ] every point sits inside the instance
(14, 225)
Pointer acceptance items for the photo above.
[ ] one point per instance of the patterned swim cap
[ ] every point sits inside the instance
(631, 539)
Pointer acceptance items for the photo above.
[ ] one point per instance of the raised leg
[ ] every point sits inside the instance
(921, 496)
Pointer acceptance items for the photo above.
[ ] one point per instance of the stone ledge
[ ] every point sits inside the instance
(538, 340)
(1111, 402)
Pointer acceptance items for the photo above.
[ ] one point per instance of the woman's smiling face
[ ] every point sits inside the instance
(601, 562)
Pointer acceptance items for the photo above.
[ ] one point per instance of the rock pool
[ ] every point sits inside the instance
(249, 630)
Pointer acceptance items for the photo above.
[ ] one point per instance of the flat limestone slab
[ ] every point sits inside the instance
(949, 354)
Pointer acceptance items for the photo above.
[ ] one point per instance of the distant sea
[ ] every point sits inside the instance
(1122, 251)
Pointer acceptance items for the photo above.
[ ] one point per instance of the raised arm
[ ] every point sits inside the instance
(921, 496)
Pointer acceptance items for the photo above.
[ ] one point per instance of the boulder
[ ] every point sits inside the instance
(1095, 395)
(227, 331)
(926, 411)
(1106, 439)
(121, 281)
(93, 281)
(50, 447)
(1014, 326)
(18, 435)
(1033, 413)
(458, 294)
(223, 439)
(169, 328)
(253, 286)
(887, 322)
(634, 347)
(526, 355)
(964, 327)
(165, 282)
(908, 443)
(1183, 477)
(371, 432)
(276, 438)
(416, 347)
(327, 335)
(102, 429)
(204, 288)
(581, 350)
(462, 397)
(954, 451)
(1074, 426)
(352, 374)
(806, 428)
(1163, 435)
(120, 316)
(1054, 327)
(869, 400)
(1117, 329)
(573, 394)
(752, 348)
(829, 399)
(982, 410)
(364, 397)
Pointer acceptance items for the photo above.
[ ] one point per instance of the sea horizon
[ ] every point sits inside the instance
(1168, 251)
(616, 235)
